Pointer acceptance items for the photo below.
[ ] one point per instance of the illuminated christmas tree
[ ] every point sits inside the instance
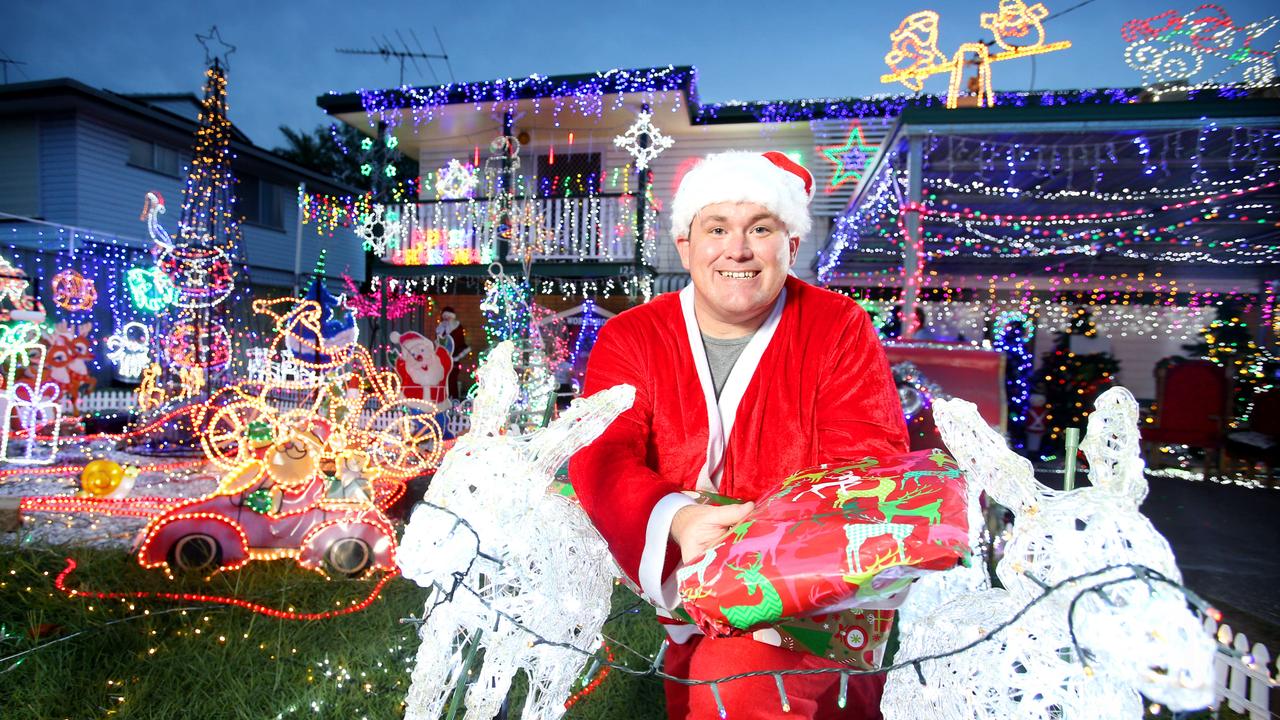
(196, 272)
(1074, 373)
(1228, 342)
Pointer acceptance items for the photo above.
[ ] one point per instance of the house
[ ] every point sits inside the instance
(81, 160)
(77, 164)
(1148, 214)
(582, 182)
(600, 241)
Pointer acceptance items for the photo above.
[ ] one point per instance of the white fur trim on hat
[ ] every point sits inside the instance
(741, 176)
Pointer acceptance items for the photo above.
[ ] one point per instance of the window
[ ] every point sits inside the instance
(159, 158)
(571, 174)
(261, 202)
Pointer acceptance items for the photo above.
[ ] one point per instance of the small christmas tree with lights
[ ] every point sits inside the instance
(1074, 373)
(1229, 343)
(508, 310)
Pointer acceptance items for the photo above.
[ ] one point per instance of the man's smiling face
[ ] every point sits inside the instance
(738, 254)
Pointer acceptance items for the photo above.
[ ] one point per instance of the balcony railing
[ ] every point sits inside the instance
(592, 228)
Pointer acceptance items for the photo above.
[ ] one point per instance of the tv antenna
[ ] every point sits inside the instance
(388, 50)
(5, 62)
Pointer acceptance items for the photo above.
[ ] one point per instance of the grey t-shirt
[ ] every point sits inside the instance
(721, 356)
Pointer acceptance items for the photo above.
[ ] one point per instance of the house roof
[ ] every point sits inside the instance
(592, 87)
(68, 94)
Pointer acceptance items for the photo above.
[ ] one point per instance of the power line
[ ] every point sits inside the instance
(1060, 13)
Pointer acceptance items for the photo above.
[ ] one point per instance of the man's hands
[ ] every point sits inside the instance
(695, 528)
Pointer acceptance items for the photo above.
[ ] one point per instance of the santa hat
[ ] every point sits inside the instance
(771, 179)
(405, 337)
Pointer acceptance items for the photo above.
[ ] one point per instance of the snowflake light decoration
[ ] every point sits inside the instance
(456, 181)
(382, 229)
(643, 140)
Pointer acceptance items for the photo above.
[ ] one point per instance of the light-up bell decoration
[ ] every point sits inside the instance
(1016, 26)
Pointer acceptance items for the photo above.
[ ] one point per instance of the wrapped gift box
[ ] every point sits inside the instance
(831, 538)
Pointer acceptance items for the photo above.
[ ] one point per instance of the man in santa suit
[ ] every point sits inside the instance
(742, 378)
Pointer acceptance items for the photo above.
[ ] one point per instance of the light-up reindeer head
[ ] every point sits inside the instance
(1133, 626)
(494, 480)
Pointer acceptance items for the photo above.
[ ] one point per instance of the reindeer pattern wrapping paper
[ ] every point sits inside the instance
(830, 538)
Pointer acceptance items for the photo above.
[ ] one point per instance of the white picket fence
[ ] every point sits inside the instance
(103, 401)
(1244, 682)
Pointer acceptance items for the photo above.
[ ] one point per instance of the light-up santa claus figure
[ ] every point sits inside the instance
(423, 367)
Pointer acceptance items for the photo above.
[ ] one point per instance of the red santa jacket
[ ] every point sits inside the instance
(811, 386)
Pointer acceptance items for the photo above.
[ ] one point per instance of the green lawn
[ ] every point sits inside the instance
(158, 659)
(81, 658)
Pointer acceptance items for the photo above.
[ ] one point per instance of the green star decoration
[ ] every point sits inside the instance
(852, 159)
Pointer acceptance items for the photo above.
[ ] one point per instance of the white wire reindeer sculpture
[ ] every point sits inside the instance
(504, 558)
(1118, 629)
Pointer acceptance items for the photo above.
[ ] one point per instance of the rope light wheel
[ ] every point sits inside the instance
(406, 438)
(234, 428)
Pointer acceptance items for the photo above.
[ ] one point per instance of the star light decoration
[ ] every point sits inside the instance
(456, 181)
(643, 140)
(852, 159)
(215, 47)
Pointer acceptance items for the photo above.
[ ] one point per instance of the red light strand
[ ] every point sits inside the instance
(61, 583)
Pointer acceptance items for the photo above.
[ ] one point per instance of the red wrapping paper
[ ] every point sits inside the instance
(830, 538)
